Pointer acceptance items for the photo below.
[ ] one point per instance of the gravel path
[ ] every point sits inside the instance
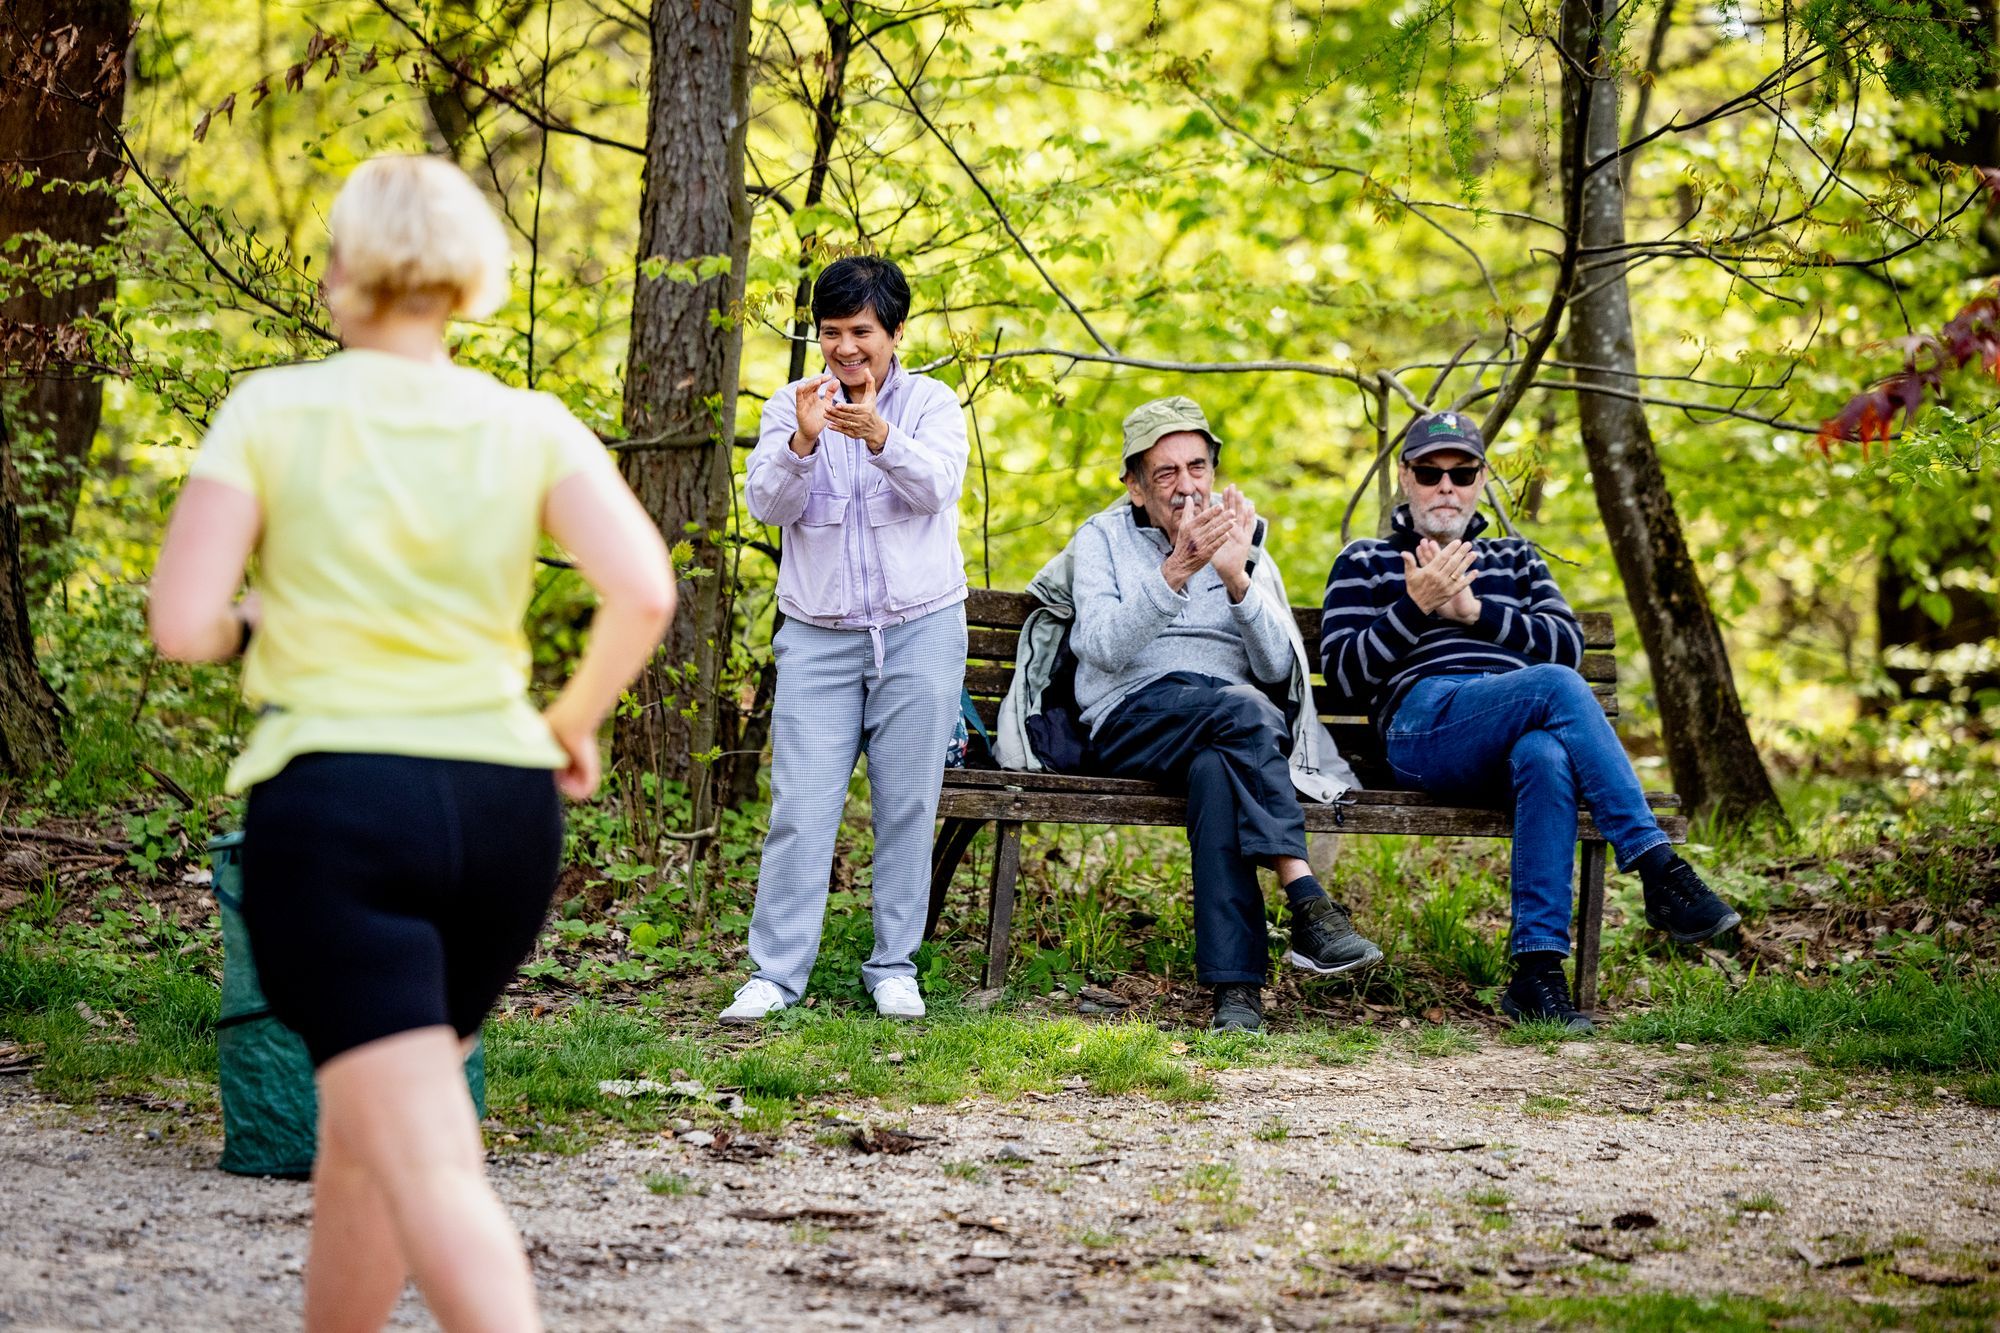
(1295, 1198)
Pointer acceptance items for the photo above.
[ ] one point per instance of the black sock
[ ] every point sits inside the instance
(1653, 863)
(1303, 890)
(1538, 960)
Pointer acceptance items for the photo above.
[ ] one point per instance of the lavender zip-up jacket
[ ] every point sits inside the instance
(871, 540)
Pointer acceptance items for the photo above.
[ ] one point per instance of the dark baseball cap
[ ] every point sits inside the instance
(1438, 431)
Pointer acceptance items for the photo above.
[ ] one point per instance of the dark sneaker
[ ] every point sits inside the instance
(1541, 994)
(1685, 908)
(1324, 940)
(1239, 1007)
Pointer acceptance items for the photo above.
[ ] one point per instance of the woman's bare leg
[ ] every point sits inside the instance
(355, 1273)
(400, 1106)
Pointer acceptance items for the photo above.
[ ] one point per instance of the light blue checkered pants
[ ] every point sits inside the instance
(833, 705)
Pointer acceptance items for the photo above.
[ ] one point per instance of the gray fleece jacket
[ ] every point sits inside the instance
(1132, 628)
(1318, 771)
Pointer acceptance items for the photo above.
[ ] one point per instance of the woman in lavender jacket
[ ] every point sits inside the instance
(862, 467)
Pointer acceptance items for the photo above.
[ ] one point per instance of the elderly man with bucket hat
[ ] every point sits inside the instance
(1464, 651)
(1182, 636)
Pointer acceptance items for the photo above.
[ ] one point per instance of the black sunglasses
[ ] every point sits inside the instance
(1427, 475)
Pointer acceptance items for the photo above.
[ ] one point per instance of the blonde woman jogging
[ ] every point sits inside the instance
(861, 466)
(404, 826)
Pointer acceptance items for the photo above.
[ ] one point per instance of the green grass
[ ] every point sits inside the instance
(671, 1184)
(1441, 1041)
(548, 1069)
(155, 1025)
(1672, 1312)
(1910, 1021)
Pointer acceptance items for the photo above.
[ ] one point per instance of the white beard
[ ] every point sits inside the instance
(1442, 528)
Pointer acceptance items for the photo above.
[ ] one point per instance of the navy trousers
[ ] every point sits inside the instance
(1226, 746)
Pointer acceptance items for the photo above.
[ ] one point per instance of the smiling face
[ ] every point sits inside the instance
(1441, 512)
(857, 347)
(1172, 479)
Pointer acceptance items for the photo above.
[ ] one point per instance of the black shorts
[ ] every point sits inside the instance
(384, 893)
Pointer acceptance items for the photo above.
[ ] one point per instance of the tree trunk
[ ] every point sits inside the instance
(1716, 764)
(30, 733)
(750, 730)
(681, 373)
(62, 91)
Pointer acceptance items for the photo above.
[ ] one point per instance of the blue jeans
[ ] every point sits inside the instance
(1539, 734)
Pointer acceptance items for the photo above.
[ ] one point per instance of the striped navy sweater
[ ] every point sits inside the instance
(1375, 643)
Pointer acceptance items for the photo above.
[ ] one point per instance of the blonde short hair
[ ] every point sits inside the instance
(412, 233)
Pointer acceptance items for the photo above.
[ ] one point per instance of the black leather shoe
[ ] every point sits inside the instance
(1324, 940)
(1239, 1007)
(1541, 994)
(1679, 903)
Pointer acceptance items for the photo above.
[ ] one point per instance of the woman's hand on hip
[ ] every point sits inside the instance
(578, 778)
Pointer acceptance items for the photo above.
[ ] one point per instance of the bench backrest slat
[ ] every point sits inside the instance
(995, 618)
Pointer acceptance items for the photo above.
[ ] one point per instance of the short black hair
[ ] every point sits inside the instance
(862, 282)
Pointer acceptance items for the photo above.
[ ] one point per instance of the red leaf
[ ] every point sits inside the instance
(1871, 416)
(1989, 180)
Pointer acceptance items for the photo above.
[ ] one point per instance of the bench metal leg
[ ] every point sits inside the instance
(1000, 922)
(946, 853)
(1590, 923)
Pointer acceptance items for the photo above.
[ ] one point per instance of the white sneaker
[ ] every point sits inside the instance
(755, 999)
(897, 997)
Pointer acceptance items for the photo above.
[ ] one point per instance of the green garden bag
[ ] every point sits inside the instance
(269, 1108)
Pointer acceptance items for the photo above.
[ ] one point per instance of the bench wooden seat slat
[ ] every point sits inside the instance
(1051, 807)
(989, 778)
(974, 797)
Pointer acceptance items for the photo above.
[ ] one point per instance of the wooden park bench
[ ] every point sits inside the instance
(974, 797)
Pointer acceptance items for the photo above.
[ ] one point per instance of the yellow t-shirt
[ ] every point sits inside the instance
(402, 506)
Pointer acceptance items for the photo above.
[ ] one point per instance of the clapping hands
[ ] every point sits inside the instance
(1439, 579)
(818, 408)
(857, 416)
(1218, 534)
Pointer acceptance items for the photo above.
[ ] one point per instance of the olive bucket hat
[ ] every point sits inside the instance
(1163, 416)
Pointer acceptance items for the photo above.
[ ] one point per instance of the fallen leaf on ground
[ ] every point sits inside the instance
(1442, 1145)
(1603, 1249)
(740, 1148)
(839, 1219)
(1821, 1254)
(997, 1225)
(892, 1141)
(1415, 1279)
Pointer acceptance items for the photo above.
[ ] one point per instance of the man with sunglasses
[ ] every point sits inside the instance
(1464, 651)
